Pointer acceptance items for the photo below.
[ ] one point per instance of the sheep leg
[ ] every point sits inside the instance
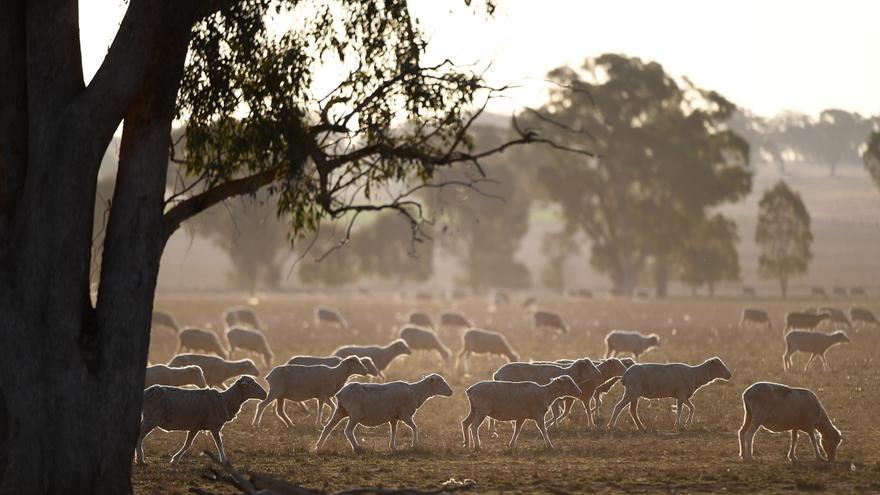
(824, 363)
(319, 419)
(678, 407)
(493, 428)
(815, 444)
(281, 413)
(218, 441)
(393, 443)
(747, 422)
(415, 431)
(749, 440)
(567, 406)
(139, 448)
(190, 436)
(692, 410)
(517, 428)
(792, 457)
(258, 415)
(634, 413)
(809, 362)
(475, 431)
(459, 360)
(608, 352)
(539, 422)
(465, 428)
(786, 360)
(612, 421)
(338, 415)
(349, 434)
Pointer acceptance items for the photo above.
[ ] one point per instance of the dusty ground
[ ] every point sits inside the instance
(701, 460)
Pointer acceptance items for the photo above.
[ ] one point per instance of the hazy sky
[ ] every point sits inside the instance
(767, 55)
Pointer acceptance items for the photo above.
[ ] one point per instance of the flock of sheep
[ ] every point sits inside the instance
(544, 392)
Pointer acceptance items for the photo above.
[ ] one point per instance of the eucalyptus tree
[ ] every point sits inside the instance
(783, 234)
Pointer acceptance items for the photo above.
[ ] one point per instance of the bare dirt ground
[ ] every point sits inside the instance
(700, 460)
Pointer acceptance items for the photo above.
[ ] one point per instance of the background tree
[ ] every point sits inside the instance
(783, 234)
(871, 157)
(708, 256)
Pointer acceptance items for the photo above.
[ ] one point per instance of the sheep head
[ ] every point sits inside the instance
(247, 367)
(584, 370)
(437, 385)
(840, 336)
(249, 388)
(718, 369)
(653, 340)
(196, 376)
(370, 366)
(611, 367)
(354, 365)
(830, 440)
(565, 386)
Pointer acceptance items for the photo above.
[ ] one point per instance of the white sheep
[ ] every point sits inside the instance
(659, 381)
(803, 321)
(333, 361)
(196, 339)
(622, 341)
(755, 316)
(549, 320)
(216, 370)
(815, 343)
(301, 383)
(161, 374)
(381, 356)
(374, 404)
(455, 320)
(780, 408)
(181, 409)
(161, 318)
(241, 315)
(249, 340)
(421, 319)
(477, 341)
(424, 339)
(513, 401)
(329, 315)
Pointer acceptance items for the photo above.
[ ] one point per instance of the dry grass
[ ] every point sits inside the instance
(703, 459)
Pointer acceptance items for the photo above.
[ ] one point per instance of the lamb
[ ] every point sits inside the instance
(549, 320)
(803, 321)
(658, 381)
(421, 319)
(242, 316)
(332, 361)
(423, 339)
(216, 370)
(249, 340)
(381, 356)
(196, 339)
(163, 319)
(755, 316)
(838, 317)
(780, 408)
(161, 374)
(181, 409)
(863, 317)
(455, 320)
(513, 401)
(620, 341)
(374, 404)
(300, 383)
(817, 344)
(329, 315)
(477, 341)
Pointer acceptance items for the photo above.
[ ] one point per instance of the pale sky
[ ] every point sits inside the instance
(769, 56)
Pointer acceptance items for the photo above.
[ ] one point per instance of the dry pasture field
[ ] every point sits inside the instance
(700, 460)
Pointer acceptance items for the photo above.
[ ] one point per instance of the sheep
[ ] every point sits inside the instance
(749, 291)
(374, 404)
(819, 292)
(817, 344)
(332, 361)
(529, 302)
(249, 340)
(196, 339)
(161, 374)
(423, 339)
(513, 401)
(242, 316)
(838, 317)
(455, 320)
(329, 315)
(858, 291)
(163, 319)
(300, 383)
(181, 409)
(778, 408)
(216, 370)
(863, 317)
(477, 341)
(657, 381)
(803, 321)
(381, 356)
(755, 316)
(421, 319)
(839, 291)
(549, 320)
(620, 341)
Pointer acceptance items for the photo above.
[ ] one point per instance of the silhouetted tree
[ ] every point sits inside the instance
(708, 255)
(783, 234)
(871, 156)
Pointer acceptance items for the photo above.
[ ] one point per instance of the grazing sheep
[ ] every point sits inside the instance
(819, 292)
(421, 319)
(374, 404)
(242, 316)
(499, 298)
(163, 319)
(838, 317)
(216, 370)
(858, 291)
(196, 339)
(755, 316)
(513, 401)
(161, 374)
(658, 381)
(181, 409)
(529, 302)
(249, 340)
(781, 408)
(549, 320)
(477, 341)
(863, 316)
(332, 361)
(329, 315)
(749, 291)
(424, 339)
(803, 321)
(455, 320)
(622, 341)
(816, 343)
(839, 291)
(381, 356)
(300, 383)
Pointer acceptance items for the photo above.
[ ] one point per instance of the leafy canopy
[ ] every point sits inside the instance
(783, 233)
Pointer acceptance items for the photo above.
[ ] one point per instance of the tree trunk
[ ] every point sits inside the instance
(783, 286)
(661, 276)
